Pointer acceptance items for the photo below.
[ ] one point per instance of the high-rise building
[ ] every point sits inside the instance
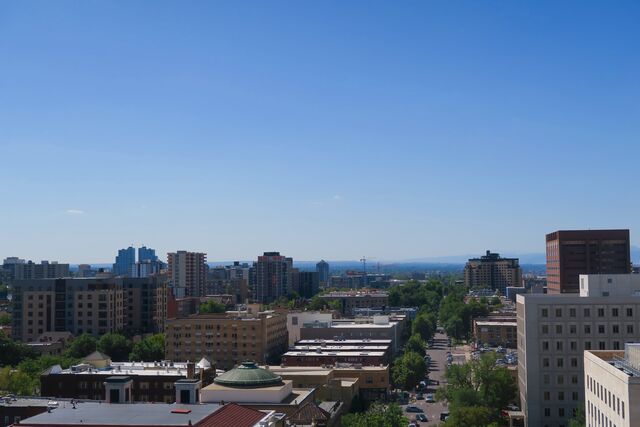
(493, 271)
(308, 283)
(554, 330)
(146, 254)
(145, 268)
(95, 306)
(124, 260)
(322, 268)
(44, 270)
(273, 277)
(187, 272)
(574, 252)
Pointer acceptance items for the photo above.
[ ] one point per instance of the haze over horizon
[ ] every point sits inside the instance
(322, 130)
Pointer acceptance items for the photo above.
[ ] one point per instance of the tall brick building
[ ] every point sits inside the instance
(574, 252)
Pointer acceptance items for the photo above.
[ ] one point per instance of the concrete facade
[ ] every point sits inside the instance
(553, 332)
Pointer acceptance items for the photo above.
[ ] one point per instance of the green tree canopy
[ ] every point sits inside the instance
(378, 415)
(212, 306)
(416, 344)
(13, 352)
(81, 346)
(408, 370)
(115, 345)
(477, 390)
(425, 325)
(5, 319)
(149, 349)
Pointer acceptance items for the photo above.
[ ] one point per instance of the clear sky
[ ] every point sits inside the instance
(322, 129)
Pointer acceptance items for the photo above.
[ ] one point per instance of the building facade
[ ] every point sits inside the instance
(187, 273)
(612, 387)
(555, 330)
(124, 260)
(493, 271)
(88, 305)
(351, 300)
(273, 277)
(322, 268)
(574, 252)
(227, 338)
(496, 331)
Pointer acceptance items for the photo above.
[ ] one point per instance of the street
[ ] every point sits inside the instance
(438, 353)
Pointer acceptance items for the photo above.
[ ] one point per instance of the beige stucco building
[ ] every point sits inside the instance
(228, 338)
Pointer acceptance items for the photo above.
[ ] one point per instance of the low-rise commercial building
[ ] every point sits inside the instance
(365, 298)
(372, 381)
(150, 381)
(98, 414)
(228, 338)
(323, 357)
(296, 320)
(612, 387)
(496, 331)
(376, 328)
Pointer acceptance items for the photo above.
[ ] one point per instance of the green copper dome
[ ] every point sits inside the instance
(248, 375)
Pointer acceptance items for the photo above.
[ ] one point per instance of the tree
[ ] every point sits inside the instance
(379, 415)
(416, 344)
(116, 346)
(212, 306)
(13, 352)
(81, 346)
(5, 319)
(409, 370)
(579, 419)
(425, 325)
(477, 390)
(149, 349)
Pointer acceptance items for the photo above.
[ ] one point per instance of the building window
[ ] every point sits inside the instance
(614, 312)
(572, 312)
(616, 345)
(558, 345)
(574, 362)
(561, 412)
(559, 329)
(601, 329)
(560, 362)
(587, 329)
(587, 312)
(573, 329)
(545, 362)
(573, 345)
(601, 345)
(545, 329)
(574, 380)
(546, 396)
(629, 312)
(587, 345)
(545, 345)
(615, 329)
(558, 312)
(545, 312)
(561, 395)
(547, 412)
(629, 329)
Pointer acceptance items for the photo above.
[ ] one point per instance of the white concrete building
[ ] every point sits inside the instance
(553, 332)
(295, 320)
(612, 387)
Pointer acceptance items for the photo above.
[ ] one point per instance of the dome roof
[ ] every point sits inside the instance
(248, 375)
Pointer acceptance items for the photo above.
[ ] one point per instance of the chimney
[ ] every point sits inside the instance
(191, 370)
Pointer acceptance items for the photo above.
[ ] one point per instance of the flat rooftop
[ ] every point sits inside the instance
(146, 414)
(334, 353)
(355, 295)
(344, 342)
(128, 369)
(495, 323)
(317, 370)
(340, 348)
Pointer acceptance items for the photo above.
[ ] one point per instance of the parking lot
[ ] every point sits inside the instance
(438, 353)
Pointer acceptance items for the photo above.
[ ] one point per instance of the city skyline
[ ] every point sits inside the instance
(324, 130)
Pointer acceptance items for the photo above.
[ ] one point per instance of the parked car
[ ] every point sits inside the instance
(444, 416)
(430, 398)
(419, 396)
(412, 408)
(422, 418)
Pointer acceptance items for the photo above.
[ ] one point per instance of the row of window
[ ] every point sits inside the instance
(586, 328)
(606, 396)
(586, 312)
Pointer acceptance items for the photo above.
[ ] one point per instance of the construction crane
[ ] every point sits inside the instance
(363, 260)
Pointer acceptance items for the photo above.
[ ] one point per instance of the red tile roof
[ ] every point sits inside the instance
(234, 415)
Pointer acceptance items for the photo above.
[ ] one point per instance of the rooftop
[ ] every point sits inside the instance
(248, 375)
(355, 294)
(164, 368)
(365, 342)
(97, 413)
(334, 353)
(495, 323)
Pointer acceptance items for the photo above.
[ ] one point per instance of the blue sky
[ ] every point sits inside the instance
(321, 129)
